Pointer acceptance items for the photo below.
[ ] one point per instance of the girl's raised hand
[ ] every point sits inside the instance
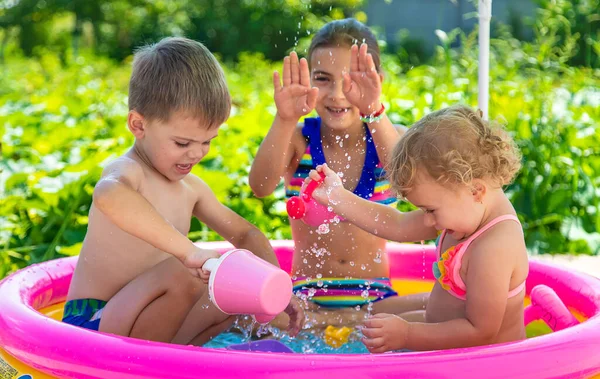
(362, 85)
(296, 97)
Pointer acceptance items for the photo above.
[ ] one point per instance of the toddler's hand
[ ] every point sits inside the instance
(384, 332)
(297, 317)
(362, 85)
(196, 260)
(295, 98)
(325, 193)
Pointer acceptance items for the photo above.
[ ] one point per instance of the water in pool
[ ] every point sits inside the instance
(306, 342)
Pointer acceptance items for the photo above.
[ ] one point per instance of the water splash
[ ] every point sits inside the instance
(378, 255)
(323, 228)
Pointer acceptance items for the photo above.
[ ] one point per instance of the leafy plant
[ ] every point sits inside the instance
(63, 120)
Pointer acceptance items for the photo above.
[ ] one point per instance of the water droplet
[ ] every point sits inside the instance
(323, 228)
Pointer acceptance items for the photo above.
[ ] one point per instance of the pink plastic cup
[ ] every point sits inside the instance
(242, 283)
(307, 209)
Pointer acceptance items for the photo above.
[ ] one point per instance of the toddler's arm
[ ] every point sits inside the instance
(278, 150)
(116, 195)
(381, 220)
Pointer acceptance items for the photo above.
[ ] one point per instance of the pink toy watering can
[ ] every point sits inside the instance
(307, 209)
(242, 283)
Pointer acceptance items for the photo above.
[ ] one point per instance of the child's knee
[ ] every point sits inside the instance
(181, 283)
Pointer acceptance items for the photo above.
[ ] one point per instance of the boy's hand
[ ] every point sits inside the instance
(384, 332)
(362, 85)
(196, 260)
(326, 193)
(295, 98)
(297, 317)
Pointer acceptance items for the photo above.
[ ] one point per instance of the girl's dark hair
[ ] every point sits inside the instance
(346, 32)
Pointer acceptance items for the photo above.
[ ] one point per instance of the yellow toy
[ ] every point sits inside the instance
(336, 337)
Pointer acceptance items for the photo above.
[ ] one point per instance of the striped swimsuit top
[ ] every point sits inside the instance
(372, 184)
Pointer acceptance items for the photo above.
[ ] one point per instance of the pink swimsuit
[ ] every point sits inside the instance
(447, 268)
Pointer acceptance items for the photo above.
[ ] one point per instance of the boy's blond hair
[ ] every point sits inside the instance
(454, 145)
(179, 74)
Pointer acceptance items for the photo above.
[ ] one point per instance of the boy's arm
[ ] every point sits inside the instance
(229, 225)
(274, 156)
(116, 195)
(382, 220)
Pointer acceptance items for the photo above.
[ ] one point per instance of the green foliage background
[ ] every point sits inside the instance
(62, 117)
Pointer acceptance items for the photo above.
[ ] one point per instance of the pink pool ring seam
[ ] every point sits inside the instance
(67, 351)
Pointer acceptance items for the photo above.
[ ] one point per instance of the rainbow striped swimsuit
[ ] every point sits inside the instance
(372, 184)
(343, 292)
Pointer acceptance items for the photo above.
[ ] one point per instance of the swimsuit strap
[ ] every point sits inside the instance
(366, 184)
(438, 242)
(517, 290)
(489, 225)
(465, 245)
(311, 129)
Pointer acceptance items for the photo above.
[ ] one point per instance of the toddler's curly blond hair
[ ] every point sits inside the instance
(454, 146)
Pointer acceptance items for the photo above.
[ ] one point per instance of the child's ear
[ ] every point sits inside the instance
(136, 124)
(478, 190)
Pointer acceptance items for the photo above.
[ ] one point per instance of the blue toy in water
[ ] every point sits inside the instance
(265, 346)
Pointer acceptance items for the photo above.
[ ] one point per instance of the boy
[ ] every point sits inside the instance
(138, 274)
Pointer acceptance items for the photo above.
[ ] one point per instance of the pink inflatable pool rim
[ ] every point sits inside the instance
(70, 352)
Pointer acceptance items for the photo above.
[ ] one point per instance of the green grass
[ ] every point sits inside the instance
(62, 122)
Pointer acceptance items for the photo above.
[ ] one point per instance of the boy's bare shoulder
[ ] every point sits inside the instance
(124, 169)
(123, 164)
(197, 184)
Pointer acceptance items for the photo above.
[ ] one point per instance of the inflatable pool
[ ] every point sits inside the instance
(33, 344)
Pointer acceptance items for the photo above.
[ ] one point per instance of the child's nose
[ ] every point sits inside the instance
(429, 220)
(336, 89)
(196, 154)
